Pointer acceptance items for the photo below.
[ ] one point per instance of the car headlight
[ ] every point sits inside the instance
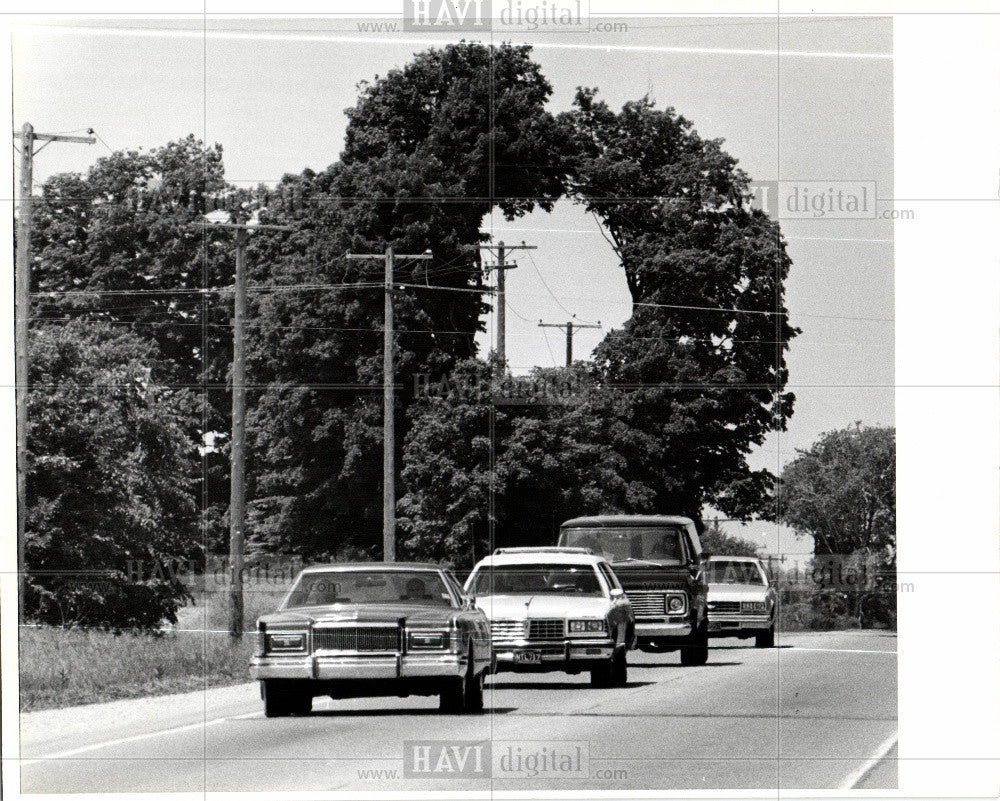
(676, 604)
(285, 641)
(587, 627)
(754, 606)
(428, 640)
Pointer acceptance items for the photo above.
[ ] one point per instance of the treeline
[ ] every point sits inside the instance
(132, 341)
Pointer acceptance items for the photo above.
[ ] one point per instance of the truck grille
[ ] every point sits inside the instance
(728, 607)
(648, 604)
(506, 630)
(553, 629)
(356, 638)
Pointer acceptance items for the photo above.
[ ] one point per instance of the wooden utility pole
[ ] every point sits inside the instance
(22, 314)
(388, 402)
(501, 267)
(237, 455)
(570, 328)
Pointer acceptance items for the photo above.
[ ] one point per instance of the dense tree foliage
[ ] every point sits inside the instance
(431, 149)
(112, 481)
(842, 491)
(704, 349)
(716, 542)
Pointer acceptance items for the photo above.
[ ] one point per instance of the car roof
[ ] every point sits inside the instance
(373, 565)
(726, 557)
(599, 521)
(541, 556)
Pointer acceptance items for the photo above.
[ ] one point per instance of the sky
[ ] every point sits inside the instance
(273, 92)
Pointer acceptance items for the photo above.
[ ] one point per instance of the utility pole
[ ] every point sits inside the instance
(237, 455)
(388, 402)
(570, 328)
(501, 267)
(22, 313)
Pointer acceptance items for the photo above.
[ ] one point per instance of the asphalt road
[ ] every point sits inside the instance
(818, 711)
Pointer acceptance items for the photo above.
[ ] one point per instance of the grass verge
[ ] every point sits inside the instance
(67, 667)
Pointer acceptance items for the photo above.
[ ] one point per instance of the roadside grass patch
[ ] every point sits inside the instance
(61, 667)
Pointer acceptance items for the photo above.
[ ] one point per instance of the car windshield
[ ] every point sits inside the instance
(536, 579)
(729, 571)
(369, 587)
(659, 544)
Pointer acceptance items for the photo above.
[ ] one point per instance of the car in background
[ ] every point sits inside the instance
(742, 601)
(372, 629)
(659, 561)
(555, 609)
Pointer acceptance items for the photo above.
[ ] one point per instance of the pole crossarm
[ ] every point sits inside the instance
(570, 328)
(502, 266)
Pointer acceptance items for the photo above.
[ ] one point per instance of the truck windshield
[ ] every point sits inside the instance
(658, 544)
(369, 587)
(536, 579)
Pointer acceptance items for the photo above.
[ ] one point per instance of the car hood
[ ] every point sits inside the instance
(499, 607)
(651, 575)
(354, 613)
(736, 592)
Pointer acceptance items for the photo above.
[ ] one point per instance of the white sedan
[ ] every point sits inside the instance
(741, 599)
(555, 609)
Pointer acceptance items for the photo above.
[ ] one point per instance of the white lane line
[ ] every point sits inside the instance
(795, 648)
(135, 738)
(856, 777)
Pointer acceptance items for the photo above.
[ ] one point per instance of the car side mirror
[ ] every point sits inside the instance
(616, 592)
(470, 601)
(705, 556)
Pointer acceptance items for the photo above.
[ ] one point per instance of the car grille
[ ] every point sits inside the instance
(506, 630)
(356, 638)
(648, 604)
(553, 629)
(728, 607)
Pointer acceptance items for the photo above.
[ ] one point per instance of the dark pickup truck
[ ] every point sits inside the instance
(660, 564)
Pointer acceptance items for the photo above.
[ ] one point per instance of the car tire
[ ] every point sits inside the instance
(464, 695)
(765, 639)
(619, 668)
(277, 700)
(696, 652)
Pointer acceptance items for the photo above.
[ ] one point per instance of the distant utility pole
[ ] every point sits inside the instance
(237, 489)
(501, 267)
(570, 328)
(388, 402)
(22, 313)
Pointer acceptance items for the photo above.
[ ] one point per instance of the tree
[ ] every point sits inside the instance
(702, 356)
(431, 149)
(112, 480)
(718, 543)
(125, 244)
(842, 491)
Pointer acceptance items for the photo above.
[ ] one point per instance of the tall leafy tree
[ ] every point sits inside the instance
(112, 481)
(703, 353)
(431, 149)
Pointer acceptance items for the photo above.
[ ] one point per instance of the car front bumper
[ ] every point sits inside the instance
(727, 623)
(526, 654)
(662, 629)
(358, 666)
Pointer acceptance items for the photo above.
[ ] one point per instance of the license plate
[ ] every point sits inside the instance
(528, 657)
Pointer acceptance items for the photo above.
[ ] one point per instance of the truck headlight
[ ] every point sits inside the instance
(676, 604)
(428, 640)
(285, 641)
(753, 606)
(587, 627)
